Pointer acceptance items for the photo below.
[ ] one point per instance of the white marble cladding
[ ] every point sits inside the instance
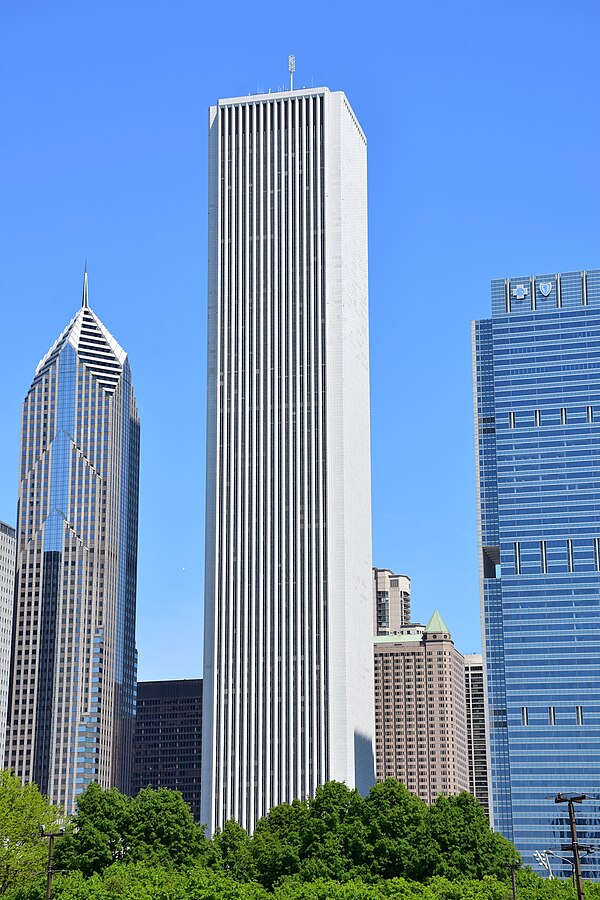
(288, 615)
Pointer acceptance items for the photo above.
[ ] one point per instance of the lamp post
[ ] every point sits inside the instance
(570, 800)
(51, 835)
(512, 866)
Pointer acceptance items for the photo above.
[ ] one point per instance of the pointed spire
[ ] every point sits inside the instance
(436, 624)
(84, 299)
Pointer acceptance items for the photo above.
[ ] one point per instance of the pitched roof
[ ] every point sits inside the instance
(94, 345)
(437, 625)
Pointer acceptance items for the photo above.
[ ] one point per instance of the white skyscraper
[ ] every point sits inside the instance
(7, 595)
(288, 614)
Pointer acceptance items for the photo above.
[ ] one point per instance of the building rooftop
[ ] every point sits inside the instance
(437, 625)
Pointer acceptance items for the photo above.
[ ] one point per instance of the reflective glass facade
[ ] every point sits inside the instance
(73, 673)
(537, 408)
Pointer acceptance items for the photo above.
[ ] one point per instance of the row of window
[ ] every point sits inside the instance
(552, 715)
(537, 417)
(570, 559)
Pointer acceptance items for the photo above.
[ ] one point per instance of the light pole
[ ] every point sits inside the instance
(570, 800)
(512, 866)
(51, 835)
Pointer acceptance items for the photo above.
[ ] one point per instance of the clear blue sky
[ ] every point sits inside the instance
(483, 129)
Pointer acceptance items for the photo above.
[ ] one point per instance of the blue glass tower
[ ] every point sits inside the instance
(73, 671)
(537, 418)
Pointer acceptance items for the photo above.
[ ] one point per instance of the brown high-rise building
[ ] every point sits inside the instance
(476, 734)
(391, 601)
(420, 715)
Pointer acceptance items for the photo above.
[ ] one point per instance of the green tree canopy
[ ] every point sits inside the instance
(23, 810)
(154, 827)
(465, 845)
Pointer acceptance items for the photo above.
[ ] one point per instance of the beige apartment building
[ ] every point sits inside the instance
(420, 712)
(391, 601)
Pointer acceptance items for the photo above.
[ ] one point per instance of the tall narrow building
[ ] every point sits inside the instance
(288, 679)
(7, 593)
(476, 731)
(72, 693)
(537, 420)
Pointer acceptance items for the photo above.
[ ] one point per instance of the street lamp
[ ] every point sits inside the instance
(512, 866)
(51, 835)
(543, 861)
(570, 800)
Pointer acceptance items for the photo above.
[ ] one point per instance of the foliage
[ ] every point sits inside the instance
(142, 882)
(23, 851)
(335, 844)
(154, 827)
(465, 845)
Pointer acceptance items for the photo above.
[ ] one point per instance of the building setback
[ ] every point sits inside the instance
(167, 746)
(476, 732)
(420, 715)
(537, 421)
(72, 687)
(7, 593)
(391, 601)
(288, 678)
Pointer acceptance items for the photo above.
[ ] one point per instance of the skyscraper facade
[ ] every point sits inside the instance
(167, 747)
(7, 592)
(288, 690)
(72, 692)
(476, 730)
(537, 419)
(391, 601)
(420, 716)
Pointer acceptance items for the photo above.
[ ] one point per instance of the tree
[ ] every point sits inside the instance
(23, 810)
(100, 833)
(161, 829)
(233, 852)
(397, 832)
(466, 845)
(154, 827)
(277, 842)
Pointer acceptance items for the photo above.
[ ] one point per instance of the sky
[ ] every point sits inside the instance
(483, 134)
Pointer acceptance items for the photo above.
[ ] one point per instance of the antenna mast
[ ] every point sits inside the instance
(291, 69)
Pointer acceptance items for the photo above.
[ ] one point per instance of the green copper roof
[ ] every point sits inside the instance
(437, 625)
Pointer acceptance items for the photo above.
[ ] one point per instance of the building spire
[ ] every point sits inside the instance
(84, 298)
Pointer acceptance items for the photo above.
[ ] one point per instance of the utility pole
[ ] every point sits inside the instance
(51, 835)
(570, 800)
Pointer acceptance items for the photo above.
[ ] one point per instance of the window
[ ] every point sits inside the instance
(517, 554)
(525, 715)
(563, 415)
(537, 417)
(551, 715)
(543, 558)
(590, 413)
(511, 420)
(579, 715)
(570, 566)
(597, 554)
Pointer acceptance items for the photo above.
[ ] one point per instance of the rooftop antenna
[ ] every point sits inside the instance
(291, 69)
